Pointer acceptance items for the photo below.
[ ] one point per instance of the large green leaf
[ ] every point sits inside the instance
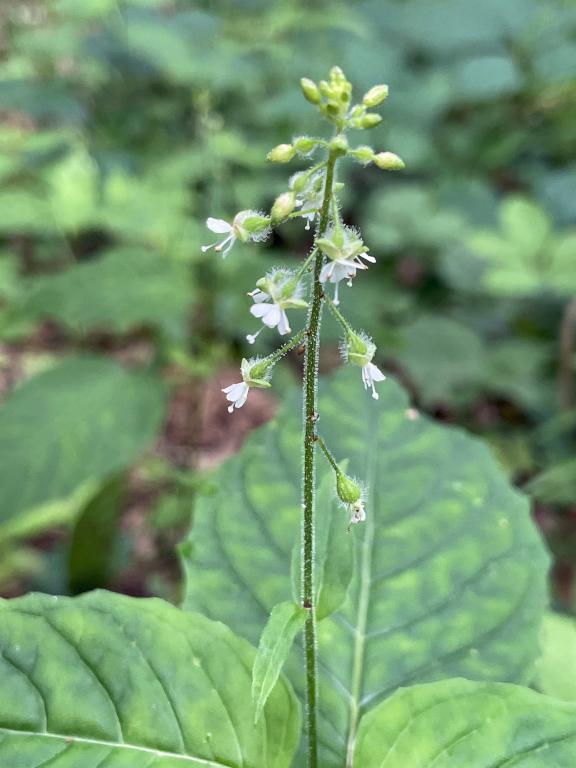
(450, 571)
(457, 723)
(125, 288)
(110, 680)
(82, 420)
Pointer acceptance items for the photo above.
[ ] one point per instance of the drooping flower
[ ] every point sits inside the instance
(344, 248)
(246, 225)
(358, 513)
(255, 373)
(350, 493)
(274, 294)
(359, 349)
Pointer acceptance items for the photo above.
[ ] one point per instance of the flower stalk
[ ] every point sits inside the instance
(310, 386)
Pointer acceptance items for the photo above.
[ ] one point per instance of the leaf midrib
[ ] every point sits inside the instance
(363, 602)
(69, 740)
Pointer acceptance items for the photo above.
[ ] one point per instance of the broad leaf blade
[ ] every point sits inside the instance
(286, 620)
(82, 420)
(450, 575)
(131, 683)
(456, 723)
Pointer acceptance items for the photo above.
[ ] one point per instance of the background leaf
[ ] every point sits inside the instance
(111, 679)
(123, 289)
(84, 419)
(450, 576)
(458, 723)
(92, 549)
(444, 359)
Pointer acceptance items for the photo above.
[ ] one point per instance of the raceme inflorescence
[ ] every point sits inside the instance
(338, 253)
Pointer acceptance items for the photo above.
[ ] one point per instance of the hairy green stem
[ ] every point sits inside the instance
(310, 386)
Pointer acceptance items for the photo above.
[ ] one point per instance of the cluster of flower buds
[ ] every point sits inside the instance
(333, 99)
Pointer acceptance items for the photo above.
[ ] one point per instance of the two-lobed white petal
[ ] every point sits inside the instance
(219, 226)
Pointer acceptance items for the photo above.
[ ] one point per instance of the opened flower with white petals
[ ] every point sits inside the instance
(247, 225)
(255, 373)
(359, 349)
(344, 248)
(278, 291)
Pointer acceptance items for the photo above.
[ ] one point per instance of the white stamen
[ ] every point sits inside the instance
(251, 337)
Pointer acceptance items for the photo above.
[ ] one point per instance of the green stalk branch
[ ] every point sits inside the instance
(297, 339)
(310, 386)
(326, 452)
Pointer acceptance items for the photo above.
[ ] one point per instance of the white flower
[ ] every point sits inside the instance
(272, 315)
(278, 291)
(344, 248)
(370, 374)
(247, 225)
(358, 512)
(255, 373)
(359, 349)
(236, 394)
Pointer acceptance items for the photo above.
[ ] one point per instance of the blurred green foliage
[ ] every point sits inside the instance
(124, 123)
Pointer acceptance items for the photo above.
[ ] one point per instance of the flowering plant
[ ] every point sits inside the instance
(337, 253)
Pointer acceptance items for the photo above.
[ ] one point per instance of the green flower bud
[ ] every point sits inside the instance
(283, 207)
(348, 491)
(339, 145)
(300, 181)
(337, 76)
(283, 153)
(304, 144)
(388, 161)
(370, 120)
(363, 154)
(255, 223)
(358, 349)
(255, 372)
(310, 90)
(375, 96)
